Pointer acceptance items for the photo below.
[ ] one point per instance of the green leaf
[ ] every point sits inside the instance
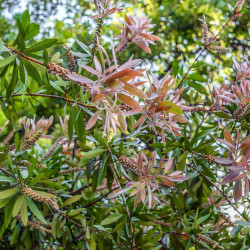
(174, 109)
(81, 132)
(235, 231)
(17, 141)
(56, 58)
(11, 87)
(111, 219)
(103, 170)
(55, 86)
(32, 31)
(71, 200)
(36, 179)
(32, 71)
(18, 205)
(20, 27)
(7, 61)
(41, 45)
(243, 223)
(246, 230)
(20, 43)
(94, 152)
(8, 193)
(92, 241)
(26, 20)
(222, 114)
(8, 212)
(198, 87)
(197, 77)
(84, 47)
(33, 208)
(3, 47)
(54, 226)
(24, 212)
(6, 179)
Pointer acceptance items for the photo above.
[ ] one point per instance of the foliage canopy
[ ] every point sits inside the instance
(135, 136)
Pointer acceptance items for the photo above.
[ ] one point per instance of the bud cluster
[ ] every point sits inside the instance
(71, 170)
(227, 220)
(201, 238)
(71, 58)
(217, 48)
(125, 107)
(240, 111)
(36, 225)
(59, 142)
(29, 143)
(39, 197)
(127, 163)
(97, 35)
(162, 223)
(210, 158)
(55, 69)
(205, 31)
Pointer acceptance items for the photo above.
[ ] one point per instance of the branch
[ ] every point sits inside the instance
(6, 172)
(52, 96)
(99, 199)
(26, 57)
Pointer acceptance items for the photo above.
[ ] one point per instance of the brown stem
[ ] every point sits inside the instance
(26, 57)
(80, 189)
(99, 199)
(6, 172)
(53, 96)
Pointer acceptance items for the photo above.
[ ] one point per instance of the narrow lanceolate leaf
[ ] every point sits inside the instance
(122, 122)
(92, 241)
(111, 219)
(7, 61)
(18, 205)
(71, 200)
(133, 90)
(41, 45)
(32, 206)
(94, 152)
(140, 121)
(223, 161)
(24, 212)
(169, 166)
(128, 100)
(237, 190)
(93, 120)
(9, 192)
(229, 177)
(167, 181)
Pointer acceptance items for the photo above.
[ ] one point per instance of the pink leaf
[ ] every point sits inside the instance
(237, 190)
(93, 120)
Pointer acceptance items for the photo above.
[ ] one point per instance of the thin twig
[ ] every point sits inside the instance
(99, 199)
(6, 172)
(52, 96)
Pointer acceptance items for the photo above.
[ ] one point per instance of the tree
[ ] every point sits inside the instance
(98, 152)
